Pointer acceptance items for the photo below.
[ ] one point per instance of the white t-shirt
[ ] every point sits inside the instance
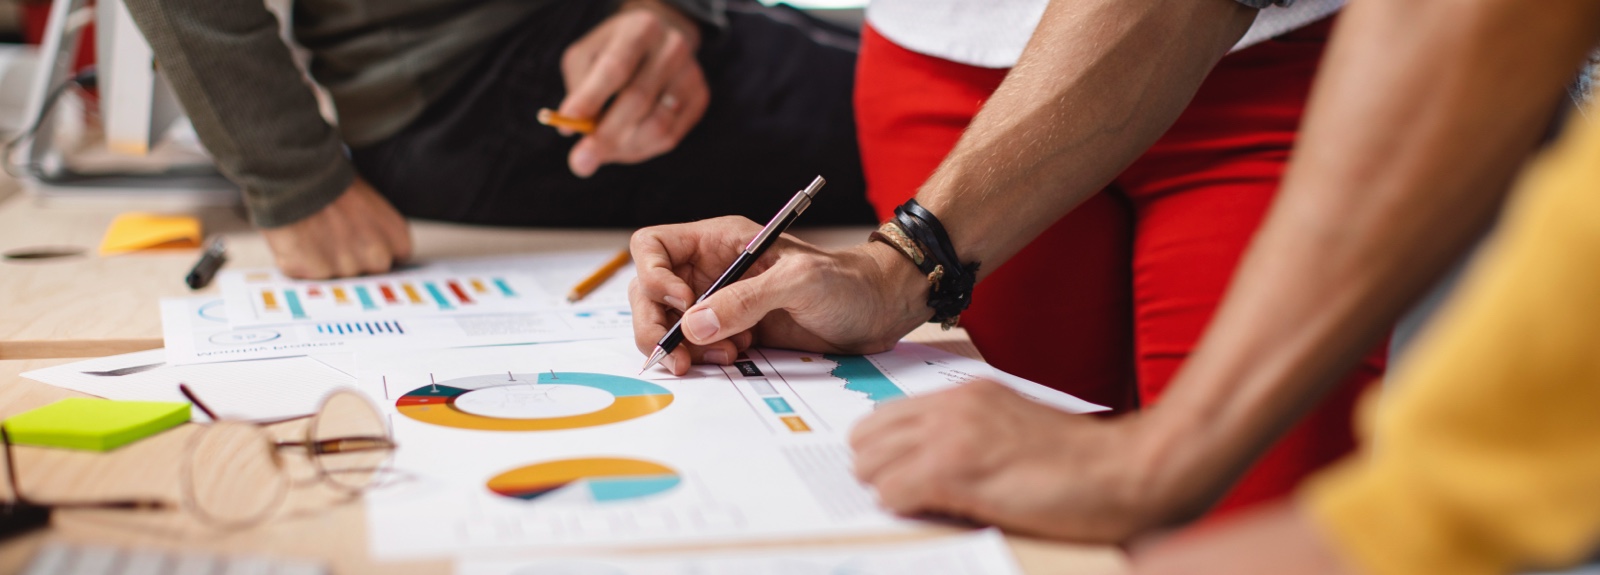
(992, 33)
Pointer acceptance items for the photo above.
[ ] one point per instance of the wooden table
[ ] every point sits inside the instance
(89, 306)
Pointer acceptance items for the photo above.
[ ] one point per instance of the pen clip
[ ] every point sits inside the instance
(797, 205)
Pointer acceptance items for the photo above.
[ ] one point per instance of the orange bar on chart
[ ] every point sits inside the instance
(411, 293)
(270, 300)
(461, 294)
(388, 294)
(795, 424)
(477, 286)
(339, 296)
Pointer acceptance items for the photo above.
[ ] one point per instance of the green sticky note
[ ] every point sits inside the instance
(94, 424)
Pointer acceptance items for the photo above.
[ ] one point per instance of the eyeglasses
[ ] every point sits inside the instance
(234, 473)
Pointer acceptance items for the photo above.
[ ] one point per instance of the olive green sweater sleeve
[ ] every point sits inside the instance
(248, 102)
(259, 119)
(1485, 453)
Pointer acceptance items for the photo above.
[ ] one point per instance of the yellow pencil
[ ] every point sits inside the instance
(599, 276)
(554, 119)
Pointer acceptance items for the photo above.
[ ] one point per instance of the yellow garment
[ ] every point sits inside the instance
(1484, 454)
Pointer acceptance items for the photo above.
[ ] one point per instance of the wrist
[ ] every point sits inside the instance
(902, 289)
(918, 234)
(1166, 459)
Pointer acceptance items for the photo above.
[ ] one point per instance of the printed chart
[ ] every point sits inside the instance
(197, 330)
(562, 445)
(273, 301)
(596, 479)
(533, 402)
(452, 288)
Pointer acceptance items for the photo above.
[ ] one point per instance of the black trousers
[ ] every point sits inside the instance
(779, 115)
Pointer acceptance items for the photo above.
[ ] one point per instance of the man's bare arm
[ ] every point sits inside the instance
(1100, 81)
(1421, 115)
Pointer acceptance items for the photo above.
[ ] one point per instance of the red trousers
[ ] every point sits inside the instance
(1110, 300)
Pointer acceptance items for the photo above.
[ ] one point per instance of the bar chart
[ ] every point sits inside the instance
(378, 300)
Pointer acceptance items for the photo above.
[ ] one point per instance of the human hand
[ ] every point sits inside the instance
(359, 233)
(859, 300)
(1277, 540)
(983, 452)
(643, 56)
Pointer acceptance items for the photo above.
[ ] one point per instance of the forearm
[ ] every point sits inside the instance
(1100, 81)
(248, 103)
(1421, 115)
(1489, 456)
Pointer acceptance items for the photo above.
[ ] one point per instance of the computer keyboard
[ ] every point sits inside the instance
(55, 558)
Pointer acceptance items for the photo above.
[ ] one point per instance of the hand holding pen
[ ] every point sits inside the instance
(795, 295)
(747, 257)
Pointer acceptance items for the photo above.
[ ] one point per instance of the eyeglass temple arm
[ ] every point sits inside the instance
(11, 467)
(17, 497)
(189, 393)
(343, 444)
(184, 389)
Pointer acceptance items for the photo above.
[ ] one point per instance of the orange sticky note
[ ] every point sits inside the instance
(141, 231)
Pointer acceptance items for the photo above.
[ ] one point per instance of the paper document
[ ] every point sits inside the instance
(564, 444)
(978, 553)
(252, 390)
(521, 284)
(197, 330)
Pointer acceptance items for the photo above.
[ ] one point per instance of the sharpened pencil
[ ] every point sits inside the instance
(589, 284)
(554, 119)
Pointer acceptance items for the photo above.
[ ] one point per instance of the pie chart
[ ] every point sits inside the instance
(533, 402)
(595, 479)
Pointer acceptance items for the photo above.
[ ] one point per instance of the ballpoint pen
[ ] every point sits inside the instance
(752, 251)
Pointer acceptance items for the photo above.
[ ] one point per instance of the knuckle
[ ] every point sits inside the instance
(572, 59)
(675, 48)
(376, 262)
(636, 93)
(643, 238)
(740, 302)
(966, 394)
(648, 25)
(611, 69)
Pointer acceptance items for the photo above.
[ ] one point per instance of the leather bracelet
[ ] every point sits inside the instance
(917, 233)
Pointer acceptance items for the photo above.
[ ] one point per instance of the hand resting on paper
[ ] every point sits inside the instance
(983, 452)
(359, 233)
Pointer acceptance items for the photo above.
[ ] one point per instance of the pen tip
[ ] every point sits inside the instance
(655, 358)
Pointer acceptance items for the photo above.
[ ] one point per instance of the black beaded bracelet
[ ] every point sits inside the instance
(916, 232)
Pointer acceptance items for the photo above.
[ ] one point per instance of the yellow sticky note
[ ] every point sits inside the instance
(141, 231)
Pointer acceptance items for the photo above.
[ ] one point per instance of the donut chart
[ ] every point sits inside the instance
(603, 479)
(533, 402)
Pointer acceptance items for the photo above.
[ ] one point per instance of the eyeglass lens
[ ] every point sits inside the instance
(233, 475)
(349, 441)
